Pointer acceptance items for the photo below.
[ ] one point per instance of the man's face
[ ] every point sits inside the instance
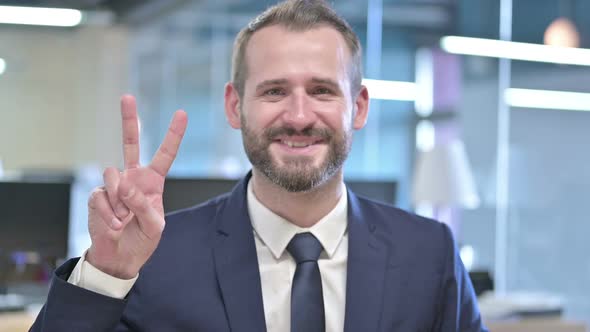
(296, 113)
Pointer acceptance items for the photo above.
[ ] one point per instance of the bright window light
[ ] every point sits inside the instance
(40, 16)
(515, 51)
(391, 90)
(546, 99)
(425, 135)
(2, 66)
(424, 82)
(467, 254)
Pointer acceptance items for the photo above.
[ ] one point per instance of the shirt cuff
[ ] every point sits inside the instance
(87, 276)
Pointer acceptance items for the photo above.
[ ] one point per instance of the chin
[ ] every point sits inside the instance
(298, 164)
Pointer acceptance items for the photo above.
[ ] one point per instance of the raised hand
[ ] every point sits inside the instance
(126, 215)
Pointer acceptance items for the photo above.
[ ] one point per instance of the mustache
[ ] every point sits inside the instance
(322, 133)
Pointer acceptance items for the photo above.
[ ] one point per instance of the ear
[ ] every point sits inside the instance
(232, 106)
(362, 108)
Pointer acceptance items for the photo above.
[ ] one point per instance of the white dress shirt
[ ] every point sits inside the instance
(272, 234)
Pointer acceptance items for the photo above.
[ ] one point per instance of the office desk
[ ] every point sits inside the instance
(538, 325)
(16, 321)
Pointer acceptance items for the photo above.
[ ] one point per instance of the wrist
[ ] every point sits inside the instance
(110, 266)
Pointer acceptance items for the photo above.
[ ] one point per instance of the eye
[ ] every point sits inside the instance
(320, 90)
(274, 92)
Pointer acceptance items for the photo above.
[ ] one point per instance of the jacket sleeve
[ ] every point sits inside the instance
(72, 308)
(459, 311)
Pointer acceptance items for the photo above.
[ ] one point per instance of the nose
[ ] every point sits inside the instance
(299, 113)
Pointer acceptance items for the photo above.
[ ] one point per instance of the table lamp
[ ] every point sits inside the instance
(443, 181)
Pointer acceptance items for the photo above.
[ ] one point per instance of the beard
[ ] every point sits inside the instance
(298, 174)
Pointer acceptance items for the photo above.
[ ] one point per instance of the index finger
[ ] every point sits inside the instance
(167, 152)
(130, 131)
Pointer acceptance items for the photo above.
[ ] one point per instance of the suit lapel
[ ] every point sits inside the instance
(236, 264)
(367, 266)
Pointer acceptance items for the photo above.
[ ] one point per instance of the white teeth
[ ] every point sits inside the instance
(296, 144)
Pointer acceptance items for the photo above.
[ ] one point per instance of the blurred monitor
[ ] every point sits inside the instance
(482, 281)
(181, 193)
(377, 190)
(34, 217)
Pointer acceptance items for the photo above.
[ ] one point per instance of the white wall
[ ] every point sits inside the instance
(59, 96)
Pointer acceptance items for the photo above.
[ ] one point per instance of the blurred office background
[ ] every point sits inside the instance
(517, 177)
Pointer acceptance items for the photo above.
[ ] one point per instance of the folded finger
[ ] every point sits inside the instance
(150, 221)
(99, 204)
(111, 181)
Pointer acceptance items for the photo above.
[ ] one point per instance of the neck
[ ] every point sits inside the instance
(303, 209)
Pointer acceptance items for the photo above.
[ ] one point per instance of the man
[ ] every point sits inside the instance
(289, 248)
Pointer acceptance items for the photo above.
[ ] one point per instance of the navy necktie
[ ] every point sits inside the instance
(307, 301)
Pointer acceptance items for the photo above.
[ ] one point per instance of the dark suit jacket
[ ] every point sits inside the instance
(404, 274)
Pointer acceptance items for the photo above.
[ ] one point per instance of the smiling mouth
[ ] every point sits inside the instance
(298, 144)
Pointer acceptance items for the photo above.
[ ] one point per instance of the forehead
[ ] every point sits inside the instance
(277, 52)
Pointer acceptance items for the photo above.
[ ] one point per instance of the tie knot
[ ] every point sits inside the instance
(304, 247)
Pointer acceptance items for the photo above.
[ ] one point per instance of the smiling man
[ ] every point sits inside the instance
(297, 108)
(290, 248)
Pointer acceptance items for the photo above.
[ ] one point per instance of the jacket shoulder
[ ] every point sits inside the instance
(191, 227)
(392, 219)
(203, 212)
(417, 240)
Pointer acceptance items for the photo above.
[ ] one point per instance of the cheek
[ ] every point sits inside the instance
(338, 118)
(259, 115)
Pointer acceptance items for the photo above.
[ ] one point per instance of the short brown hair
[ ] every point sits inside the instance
(297, 15)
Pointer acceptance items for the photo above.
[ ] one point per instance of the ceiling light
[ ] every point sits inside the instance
(390, 90)
(562, 32)
(515, 51)
(2, 66)
(547, 99)
(40, 16)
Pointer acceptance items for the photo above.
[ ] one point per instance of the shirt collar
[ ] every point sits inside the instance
(276, 232)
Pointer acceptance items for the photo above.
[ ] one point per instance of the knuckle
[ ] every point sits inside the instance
(110, 176)
(104, 218)
(131, 196)
(94, 196)
(142, 207)
(107, 171)
(167, 152)
(135, 200)
(155, 229)
(161, 225)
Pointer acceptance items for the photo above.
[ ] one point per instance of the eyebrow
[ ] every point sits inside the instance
(267, 83)
(326, 81)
